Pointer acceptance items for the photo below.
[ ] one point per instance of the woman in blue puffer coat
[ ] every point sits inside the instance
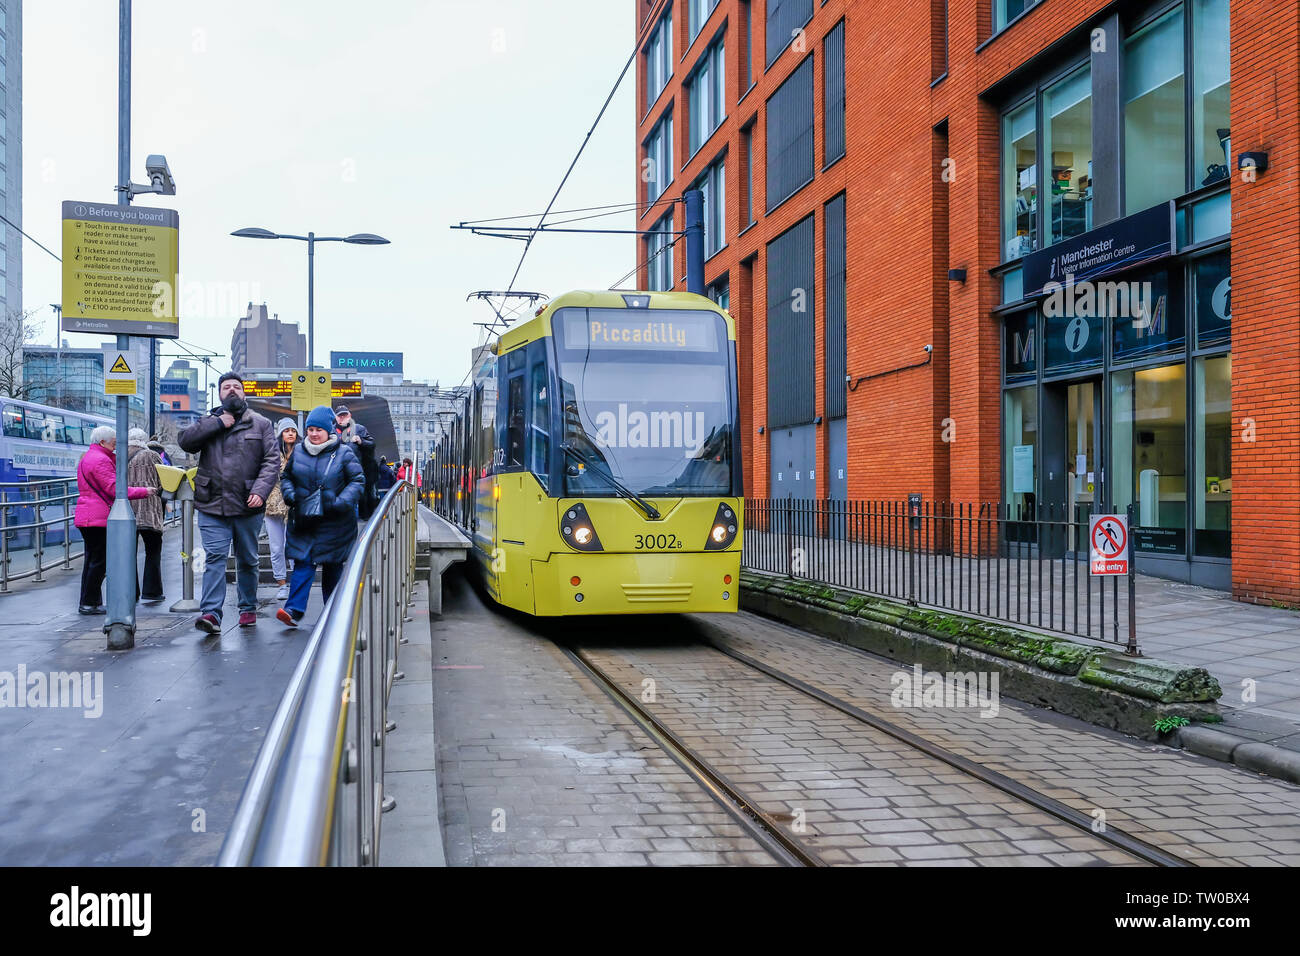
(319, 535)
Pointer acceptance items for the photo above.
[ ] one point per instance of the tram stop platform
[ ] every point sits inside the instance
(144, 763)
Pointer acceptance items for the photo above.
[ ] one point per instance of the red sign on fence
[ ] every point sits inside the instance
(1109, 543)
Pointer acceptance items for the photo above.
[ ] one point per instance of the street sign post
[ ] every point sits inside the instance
(1108, 537)
(120, 265)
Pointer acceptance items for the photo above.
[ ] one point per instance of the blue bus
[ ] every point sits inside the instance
(40, 443)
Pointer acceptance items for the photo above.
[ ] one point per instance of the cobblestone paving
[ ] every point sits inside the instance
(1204, 811)
(853, 793)
(538, 767)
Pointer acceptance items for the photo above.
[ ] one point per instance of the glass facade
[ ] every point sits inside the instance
(1067, 143)
(657, 166)
(1020, 181)
(1154, 113)
(659, 59)
(707, 106)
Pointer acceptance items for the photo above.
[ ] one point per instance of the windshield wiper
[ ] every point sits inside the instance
(650, 510)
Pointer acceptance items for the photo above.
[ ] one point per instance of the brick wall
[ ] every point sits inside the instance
(907, 225)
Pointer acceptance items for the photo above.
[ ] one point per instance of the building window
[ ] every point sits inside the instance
(833, 94)
(1212, 289)
(1004, 11)
(1067, 141)
(1020, 425)
(1210, 87)
(657, 168)
(791, 352)
(659, 59)
(714, 186)
(1146, 312)
(790, 136)
(834, 260)
(1155, 116)
(746, 28)
(659, 255)
(720, 292)
(785, 21)
(1149, 443)
(747, 183)
(1212, 441)
(1020, 355)
(699, 13)
(1020, 181)
(707, 109)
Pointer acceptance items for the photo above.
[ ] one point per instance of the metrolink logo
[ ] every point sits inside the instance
(80, 690)
(624, 429)
(74, 908)
(930, 689)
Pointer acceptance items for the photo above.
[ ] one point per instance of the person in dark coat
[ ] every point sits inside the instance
(239, 462)
(352, 432)
(386, 477)
(322, 463)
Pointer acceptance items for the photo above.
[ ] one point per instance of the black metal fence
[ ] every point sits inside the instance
(1019, 565)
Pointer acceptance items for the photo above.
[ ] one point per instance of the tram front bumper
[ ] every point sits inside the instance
(654, 583)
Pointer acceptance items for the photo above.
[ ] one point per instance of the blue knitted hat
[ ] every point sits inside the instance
(321, 417)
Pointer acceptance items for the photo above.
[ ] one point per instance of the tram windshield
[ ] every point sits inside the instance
(646, 399)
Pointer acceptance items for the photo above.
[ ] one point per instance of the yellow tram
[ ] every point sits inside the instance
(595, 462)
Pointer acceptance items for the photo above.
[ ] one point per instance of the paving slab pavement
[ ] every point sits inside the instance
(154, 777)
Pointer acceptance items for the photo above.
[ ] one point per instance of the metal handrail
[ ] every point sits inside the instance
(315, 793)
(37, 502)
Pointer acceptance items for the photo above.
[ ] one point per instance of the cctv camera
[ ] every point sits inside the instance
(160, 174)
(929, 348)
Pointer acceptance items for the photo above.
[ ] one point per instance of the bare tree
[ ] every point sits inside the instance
(16, 380)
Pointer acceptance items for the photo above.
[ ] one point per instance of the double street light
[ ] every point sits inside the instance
(357, 239)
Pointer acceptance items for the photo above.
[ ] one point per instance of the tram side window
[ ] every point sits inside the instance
(539, 418)
(13, 422)
(515, 423)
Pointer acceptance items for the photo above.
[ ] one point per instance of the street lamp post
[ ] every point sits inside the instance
(359, 239)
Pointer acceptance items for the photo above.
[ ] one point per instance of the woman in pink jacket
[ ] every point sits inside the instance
(97, 484)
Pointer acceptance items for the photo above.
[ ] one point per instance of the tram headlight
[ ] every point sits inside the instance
(726, 524)
(577, 529)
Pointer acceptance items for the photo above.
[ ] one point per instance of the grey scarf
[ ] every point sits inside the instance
(326, 445)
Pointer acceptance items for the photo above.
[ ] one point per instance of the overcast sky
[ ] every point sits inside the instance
(399, 117)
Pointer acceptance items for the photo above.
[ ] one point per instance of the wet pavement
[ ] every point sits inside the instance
(154, 777)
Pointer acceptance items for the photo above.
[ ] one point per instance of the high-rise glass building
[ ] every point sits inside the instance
(11, 153)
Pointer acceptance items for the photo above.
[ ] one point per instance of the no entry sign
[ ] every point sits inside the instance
(1108, 536)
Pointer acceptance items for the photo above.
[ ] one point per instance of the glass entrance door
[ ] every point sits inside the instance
(1083, 448)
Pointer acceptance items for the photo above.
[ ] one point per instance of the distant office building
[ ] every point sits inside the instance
(181, 368)
(262, 341)
(11, 139)
(414, 407)
(74, 379)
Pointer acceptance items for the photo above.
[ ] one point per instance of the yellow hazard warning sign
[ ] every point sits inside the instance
(121, 372)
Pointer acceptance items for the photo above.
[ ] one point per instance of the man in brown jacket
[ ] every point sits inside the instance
(239, 463)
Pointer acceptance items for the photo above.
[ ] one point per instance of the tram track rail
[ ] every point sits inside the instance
(760, 825)
(777, 839)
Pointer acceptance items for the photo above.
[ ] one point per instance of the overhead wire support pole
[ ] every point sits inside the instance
(120, 532)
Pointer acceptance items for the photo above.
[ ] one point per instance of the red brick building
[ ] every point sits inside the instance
(880, 178)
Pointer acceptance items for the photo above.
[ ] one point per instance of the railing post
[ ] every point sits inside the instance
(789, 537)
(187, 602)
(913, 520)
(38, 532)
(4, 540)
(1132, 649)
(67, 528)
